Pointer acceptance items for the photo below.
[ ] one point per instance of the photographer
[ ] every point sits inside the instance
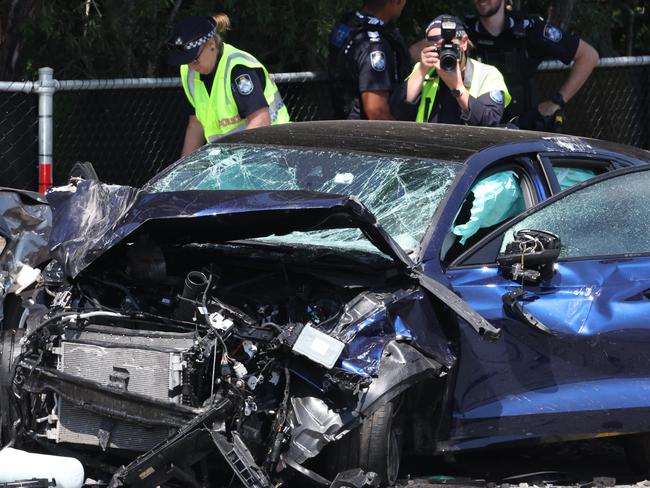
(470, 93)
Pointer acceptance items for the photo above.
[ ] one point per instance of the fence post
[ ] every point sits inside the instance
(46, 88)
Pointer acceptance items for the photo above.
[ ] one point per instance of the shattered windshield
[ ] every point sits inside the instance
(402, 193)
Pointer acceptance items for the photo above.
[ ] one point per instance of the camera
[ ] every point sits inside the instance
(448, 51)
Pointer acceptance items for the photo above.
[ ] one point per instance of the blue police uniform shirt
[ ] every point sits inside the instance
(372, 61)
(543, 41)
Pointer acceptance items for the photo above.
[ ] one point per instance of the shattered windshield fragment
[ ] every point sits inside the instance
(402, 193)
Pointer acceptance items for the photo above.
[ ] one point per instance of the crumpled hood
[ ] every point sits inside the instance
(93, 217)
(25, 224)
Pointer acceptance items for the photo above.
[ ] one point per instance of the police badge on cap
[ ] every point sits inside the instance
(378, 60)
(244, 84)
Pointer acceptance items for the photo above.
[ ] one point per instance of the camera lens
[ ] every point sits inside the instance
(448, 58)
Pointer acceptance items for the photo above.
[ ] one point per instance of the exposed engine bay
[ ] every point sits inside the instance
(169, 340)
(148, 341)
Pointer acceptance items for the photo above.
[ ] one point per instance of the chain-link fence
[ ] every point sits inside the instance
(130, 129)
(614, 103)
(18, 137)
(129, 133)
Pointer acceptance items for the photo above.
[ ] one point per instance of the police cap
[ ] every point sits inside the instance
(437, 22)
(188, 37)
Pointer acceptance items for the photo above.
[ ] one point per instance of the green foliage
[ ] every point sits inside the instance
(126, 38)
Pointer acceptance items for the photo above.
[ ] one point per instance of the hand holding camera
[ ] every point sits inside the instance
(442, 53)
(448, 51)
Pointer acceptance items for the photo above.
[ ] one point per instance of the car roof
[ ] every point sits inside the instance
(408, 139)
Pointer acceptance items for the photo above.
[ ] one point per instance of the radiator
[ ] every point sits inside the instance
(148, 363)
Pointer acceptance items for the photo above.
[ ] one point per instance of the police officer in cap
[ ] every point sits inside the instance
(367, 60)
(447, 86)
(516, 45)
(228, 89)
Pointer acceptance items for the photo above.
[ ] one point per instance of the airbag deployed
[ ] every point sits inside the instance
(496, 199)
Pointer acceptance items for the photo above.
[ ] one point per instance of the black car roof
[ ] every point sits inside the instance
(408, 139)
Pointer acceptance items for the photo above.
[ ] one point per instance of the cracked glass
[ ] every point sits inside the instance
(402, 193)
(611, 217)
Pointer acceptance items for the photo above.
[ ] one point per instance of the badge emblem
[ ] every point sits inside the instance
(552, 33)
(497, 96)
(378, 60)
(244, 84)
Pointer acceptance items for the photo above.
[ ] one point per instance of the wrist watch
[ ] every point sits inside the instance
(457, 92)
(558, 99)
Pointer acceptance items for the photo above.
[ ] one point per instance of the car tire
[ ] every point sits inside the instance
(637, 450)
(12, 312)
(376, 445)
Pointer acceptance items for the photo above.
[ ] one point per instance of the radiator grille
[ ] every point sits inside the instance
(153, 364)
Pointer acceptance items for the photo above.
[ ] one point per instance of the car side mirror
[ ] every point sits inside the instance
(531, 256)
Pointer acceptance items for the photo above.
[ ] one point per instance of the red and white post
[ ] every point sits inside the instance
(46, 89)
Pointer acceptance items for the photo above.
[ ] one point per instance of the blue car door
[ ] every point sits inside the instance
(574, 356)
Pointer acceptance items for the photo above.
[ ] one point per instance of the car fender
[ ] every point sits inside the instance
(314, 424)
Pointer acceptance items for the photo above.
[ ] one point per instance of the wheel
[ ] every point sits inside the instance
(376, 445)
(637, 449)
(12, 312)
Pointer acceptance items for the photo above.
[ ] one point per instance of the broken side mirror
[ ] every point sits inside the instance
(531, 256)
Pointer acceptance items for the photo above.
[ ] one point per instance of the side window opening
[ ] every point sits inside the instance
(572, 171)
(607, 218)
(494, 198)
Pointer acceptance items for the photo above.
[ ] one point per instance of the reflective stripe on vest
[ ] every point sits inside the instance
(483, 79)
(217, 111)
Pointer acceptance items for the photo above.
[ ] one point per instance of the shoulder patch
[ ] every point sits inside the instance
(378, 60)
(497, 96)
(552, 33)
(373, 36)
(244, 84)
(339, 34)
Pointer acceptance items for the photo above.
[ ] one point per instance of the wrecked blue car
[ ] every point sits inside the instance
(307, 304)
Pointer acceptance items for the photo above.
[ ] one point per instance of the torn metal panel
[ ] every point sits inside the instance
(355, 478)
(94, 217)
(314, 425)
(401, 367)
(25, 222)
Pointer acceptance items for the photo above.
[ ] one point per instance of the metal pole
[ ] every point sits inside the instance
(45, 90)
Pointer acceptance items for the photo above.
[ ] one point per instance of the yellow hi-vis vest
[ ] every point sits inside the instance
(483, 78)
(217, 111)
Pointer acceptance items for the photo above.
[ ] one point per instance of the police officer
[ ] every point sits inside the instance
(517, 45)
(447, 86)
(228, 89)
(367, 60)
